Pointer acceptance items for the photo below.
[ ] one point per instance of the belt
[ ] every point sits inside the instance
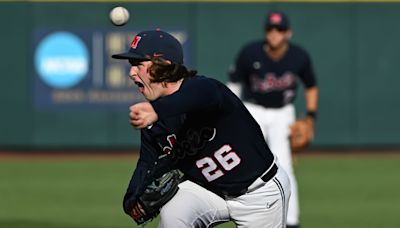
(270, 174)
(266, 177)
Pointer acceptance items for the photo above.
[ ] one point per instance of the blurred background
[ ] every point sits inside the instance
(68, 151)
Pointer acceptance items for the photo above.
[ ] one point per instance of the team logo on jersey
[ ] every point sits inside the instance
(135, 42)
(171, 139)
(271, 82)
(194, 141)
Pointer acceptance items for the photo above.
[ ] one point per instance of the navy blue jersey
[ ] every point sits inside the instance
(205, 131)
(269, 82)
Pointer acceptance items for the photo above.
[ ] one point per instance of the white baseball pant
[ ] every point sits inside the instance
(263, 206)
(274, 123)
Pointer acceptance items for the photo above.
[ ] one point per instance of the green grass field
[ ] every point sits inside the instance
(335, 191)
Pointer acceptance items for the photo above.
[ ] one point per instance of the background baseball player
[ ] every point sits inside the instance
(196, 124)
(265, 75)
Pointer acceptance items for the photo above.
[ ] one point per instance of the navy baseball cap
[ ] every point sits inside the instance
(277, 20)
(147, 44)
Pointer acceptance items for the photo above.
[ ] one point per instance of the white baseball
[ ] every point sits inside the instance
(119, 15)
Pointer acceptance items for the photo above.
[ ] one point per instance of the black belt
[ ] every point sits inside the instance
(266, 177)
(270, 174)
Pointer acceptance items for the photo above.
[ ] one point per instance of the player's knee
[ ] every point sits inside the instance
(187, 218)
(170, 218)
(166, 221)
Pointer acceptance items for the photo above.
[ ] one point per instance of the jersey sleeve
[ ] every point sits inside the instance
(239, 70)
(196, 95)
(147, 169)
(307, 75)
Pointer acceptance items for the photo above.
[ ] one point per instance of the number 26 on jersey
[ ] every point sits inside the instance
(224, 156)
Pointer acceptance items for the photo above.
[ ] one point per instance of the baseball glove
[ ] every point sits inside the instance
(158, 193)
(302, 133)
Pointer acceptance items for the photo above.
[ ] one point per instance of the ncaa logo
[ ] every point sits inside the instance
(62, 60)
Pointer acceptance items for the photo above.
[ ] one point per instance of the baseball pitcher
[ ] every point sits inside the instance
(196, 125)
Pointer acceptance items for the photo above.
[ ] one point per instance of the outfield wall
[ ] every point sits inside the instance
(354, 47)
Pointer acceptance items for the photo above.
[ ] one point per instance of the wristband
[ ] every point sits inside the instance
(312, 114)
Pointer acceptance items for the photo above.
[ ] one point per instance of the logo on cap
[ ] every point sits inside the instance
(135, 42)
(275, 18)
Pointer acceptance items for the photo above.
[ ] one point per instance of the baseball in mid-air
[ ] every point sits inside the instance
(119, 15)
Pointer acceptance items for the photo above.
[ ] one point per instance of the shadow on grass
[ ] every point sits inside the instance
(23, 223)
